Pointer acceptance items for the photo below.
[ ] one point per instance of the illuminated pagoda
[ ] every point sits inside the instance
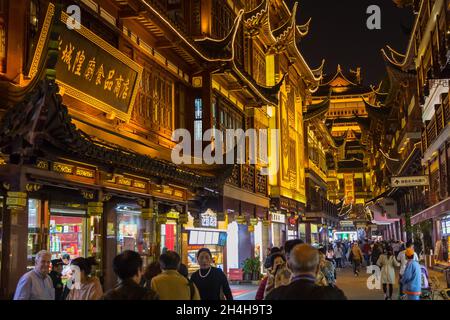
(347, 121)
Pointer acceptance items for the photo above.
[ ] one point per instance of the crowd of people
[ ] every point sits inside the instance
(166, 279)
(296, 271)
(387, 255)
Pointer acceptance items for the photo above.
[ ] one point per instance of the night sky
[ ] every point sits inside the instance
(338, 33)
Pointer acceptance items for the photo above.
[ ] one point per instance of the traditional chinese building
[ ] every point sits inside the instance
(88, 114)
(417, 138)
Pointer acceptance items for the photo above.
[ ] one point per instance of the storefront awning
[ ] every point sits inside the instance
(437, 210)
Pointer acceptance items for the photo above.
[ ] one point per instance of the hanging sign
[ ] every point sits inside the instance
(208, 219)
(278, 217)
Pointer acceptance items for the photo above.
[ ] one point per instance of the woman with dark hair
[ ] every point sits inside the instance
(387, 262)
(151, 271)
(210, 281)
(89, 287)
(276, 259)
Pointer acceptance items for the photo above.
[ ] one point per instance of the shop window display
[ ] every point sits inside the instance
(213, 240)
(130, 229)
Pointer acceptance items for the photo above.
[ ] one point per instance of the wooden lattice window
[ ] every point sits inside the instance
(155, 103)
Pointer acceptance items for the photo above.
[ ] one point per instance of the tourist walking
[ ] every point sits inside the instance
(338, 254)
(304, 262)
(387, 262)
(37, 284)
(170, 284)
(276, 260)
(56, 275)
(89, 287)
(210, 281)
(128, 268)
(403, 262)
(356, 257)
(412, 277)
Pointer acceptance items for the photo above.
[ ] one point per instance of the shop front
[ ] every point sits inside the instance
(278, 229)
(205, 232)
(292, 228)
(302, 232)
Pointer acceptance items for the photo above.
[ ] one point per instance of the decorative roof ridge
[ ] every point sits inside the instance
(379, 112)
(197, 49)
(304, 28)
(258, 12)
(339, 72)
(266, 93)
(220, 44)
(41, 123)
(316, 110)
(319, 70)
(284, 30)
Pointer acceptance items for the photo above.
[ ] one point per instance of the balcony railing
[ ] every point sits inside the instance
(437, 124)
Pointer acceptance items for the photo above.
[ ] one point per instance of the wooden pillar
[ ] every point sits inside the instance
(109, 251)
(15, 232)
(16, 35)
(447, 167)
(206, 103)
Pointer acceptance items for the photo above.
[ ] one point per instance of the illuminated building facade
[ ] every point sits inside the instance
(88, 116)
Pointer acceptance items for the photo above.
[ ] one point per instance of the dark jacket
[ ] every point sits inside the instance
(212, 286)
(57, 284)
(304, 288)
(130, 290)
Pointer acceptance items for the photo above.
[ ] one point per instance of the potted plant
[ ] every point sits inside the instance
(256, 269)
(247, 269)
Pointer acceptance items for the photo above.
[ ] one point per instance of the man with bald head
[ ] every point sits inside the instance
(304, 263)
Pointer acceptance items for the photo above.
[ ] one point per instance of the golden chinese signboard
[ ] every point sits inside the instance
(91, 70)
(349, 189)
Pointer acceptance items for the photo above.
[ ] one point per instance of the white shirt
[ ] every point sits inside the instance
(403, 260)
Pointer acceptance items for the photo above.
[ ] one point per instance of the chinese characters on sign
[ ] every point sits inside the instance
(349, 189)
(410, 181)
(278, 217)
(209, 219)
(92, 70)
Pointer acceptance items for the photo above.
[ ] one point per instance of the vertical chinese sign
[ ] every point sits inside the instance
(349, 189)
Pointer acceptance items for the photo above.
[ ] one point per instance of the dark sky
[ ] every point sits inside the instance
(338, 33)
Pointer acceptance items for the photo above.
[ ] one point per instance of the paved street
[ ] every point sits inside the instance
(355, 288)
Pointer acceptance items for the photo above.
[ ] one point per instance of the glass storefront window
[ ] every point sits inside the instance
(67, 235)
(130, 229)
(302, 231)
(314, 234)
(445, 225)
(34, 208)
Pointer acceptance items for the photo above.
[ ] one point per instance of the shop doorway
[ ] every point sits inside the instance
(68, 233)
(169, 236)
